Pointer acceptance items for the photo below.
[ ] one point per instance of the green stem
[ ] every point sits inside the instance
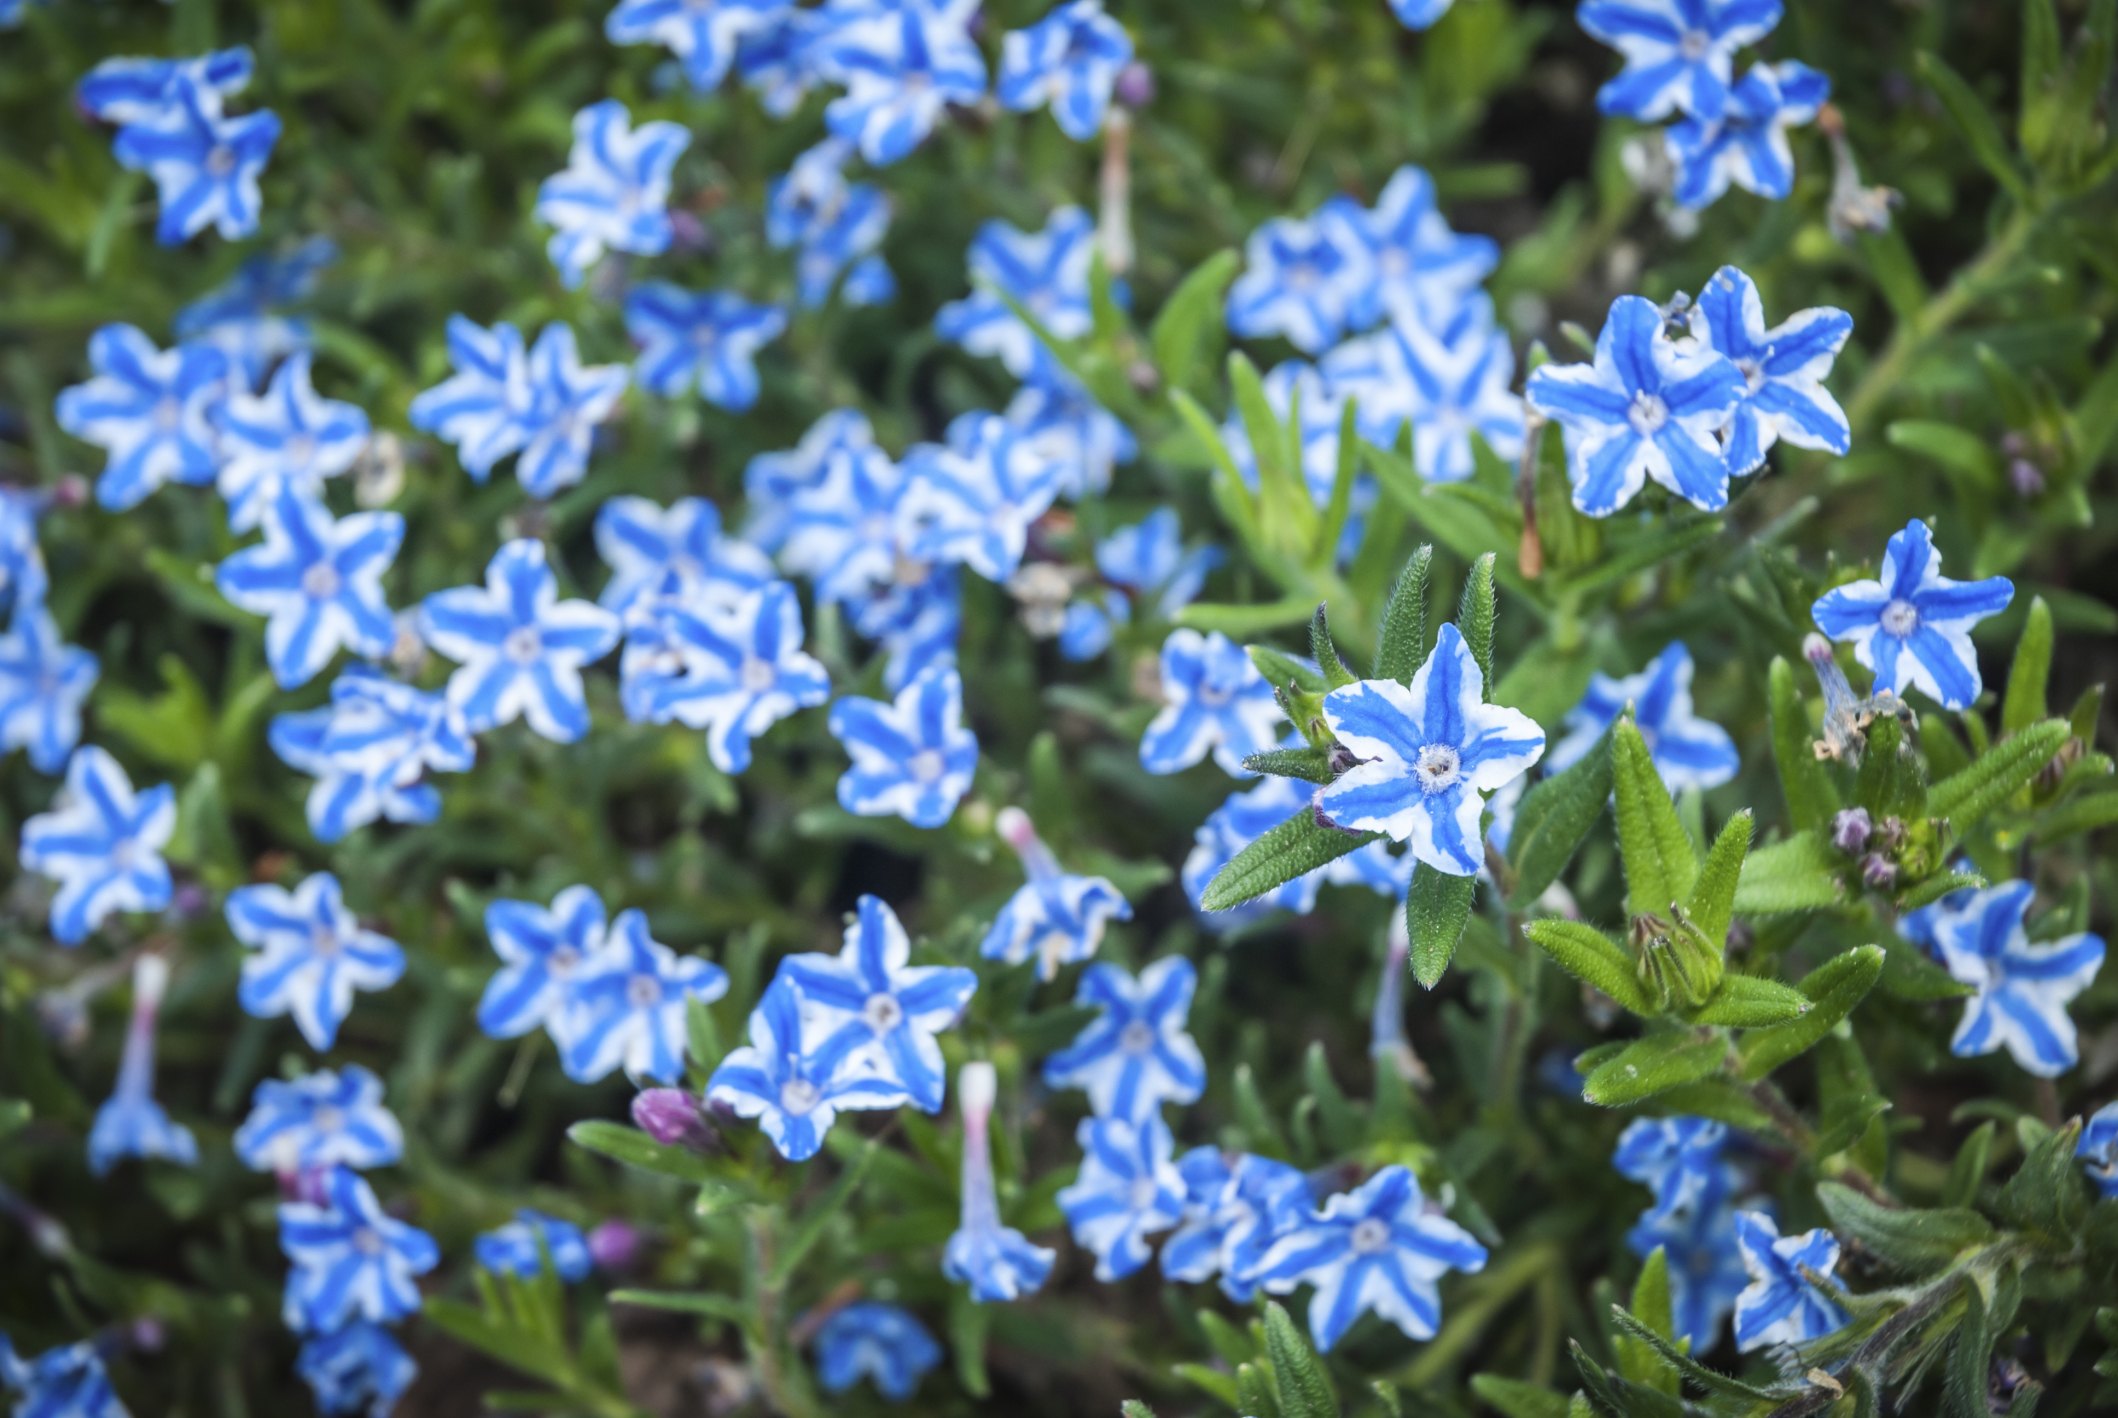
(768, 1348)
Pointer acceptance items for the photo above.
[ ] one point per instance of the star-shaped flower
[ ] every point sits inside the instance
(1678, 1159)
(567, 400)
(776, 1079)
(43, 682)
(1069, 60)
(320, 1120)
(973, 499)
(996, 1261)
(1678, 53)
(1418, 265)
(1215, 701)
(370, 750)
(1069, 427)
(833, 225)
(1689, 752)
(1783, 370)
(1235, 1208)
(131, 1123)
(151, 410)
(319, 580)
(204, 165)
(703, 34)
(1302, 278)
(901, 67)
(542, 954)
(744, 671)
(614, 193)
(520, 1247)
(1781, 1305)
(134, 90)
(102, 843)
(1147, 560)
(351, 1260)
(881, 1343)
(309, 955)
(1912, 625)
(708, 338)
(1448, 385)
(1747, 143)
(2022, 990)
(519, 648)
(287, 438)
(912, 758)
(1135, 1056)
(482, 407)
(771, 481)
(245, 319)
(625, 1009)
(1128, 1189)
(674, 555)
(1045, 272)
(1054, 918)
(1706, 1270)
(360, 1368)
(66, 1381)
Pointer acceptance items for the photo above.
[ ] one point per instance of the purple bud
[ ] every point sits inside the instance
(615, 1245)
(2025, 477)
(1890, 834)
(1850, 829)
(147, 1335)
(673, 1117)
(1136, 85)
(1878, 870)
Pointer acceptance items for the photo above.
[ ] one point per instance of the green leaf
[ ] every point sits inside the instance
(1650, 1065)
(1713, 896)
(1915, 1241)
(2085, 813)
(1798, 874)
(1287, 513)
(1995, 776)
(1639, 1358)
(1642, 1330)
(830, 1207)
(1402, 645)
(1309, 764)
(1295, 848)
(1345, 480)
(969, 1322)
(1304, 1390)
(1512, 1398)
(1968, 1172)
(1659, 863)
(1593, 958)
(1909, 973)
(1970, 1353)
(1134, 1408)
(1437, 909)
(1843, 1120)
(1812, 801)
(1475, 615)
(1835, 987)
(726, 1308)
(1893, 777)
(1977, 124)
(1187, 334)
(1748, 1002)
(1326, 654)
(623, 1143)
(1554, 819)
(2024, 703)
(1241, 622)
(1340, 1125)
(1231, 494)
(1281, 669)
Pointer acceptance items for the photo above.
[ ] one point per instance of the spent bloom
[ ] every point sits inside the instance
(1783, 369)
(705, 338)
(744, 671)
(287, 438)
(882, 1343)
(1689, 752)
(704, 35)
(351, 1260)
(1128, 1189)
(1235, 1208)
(1781, 1305)
(1069, 60)
(1214, 700)
(131, 1123)
(150, 410)
(43, 682)
(318, 581)
(1135, 1056)
(1912, 625)
(1747, 143)
(614, 192)
(542, 953)
(996, 1261)
(912, 757)
(309, 955)
(1045, 272)
(1678, 53)
(520, 1247)
(519, 649)
(357, 1368)
(102, 843)
(777, 1080)
(2021, 989)
(625, 1008)
(1054, 918)
(330, 1118)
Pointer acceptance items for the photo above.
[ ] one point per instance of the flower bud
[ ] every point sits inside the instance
(1850, 829)
(1135, 87)
(674, 1118)
(615, 1245)
(1878, 871)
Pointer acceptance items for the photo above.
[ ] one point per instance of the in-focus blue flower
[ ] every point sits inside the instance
(881, 1343)
(1912, 625)
(1248, 815)
(1689, 751)
(996, 1261)
(912, 758)
(1378, 1247)
(319, 580)
(703, 34)
(132, 90)
(1215, 701)
(204, 165)
(1678, 53)
(1054, 918)
(151, 410)
(901, 66)
(707, 338)
(245, 319)
(1148, 561)
(43, 681)
(358, 1369)
(1706, 1270)
(1302, 278)
(287, 438)
(1135, 1055)
(320, 1120)
(102, 843)
(2022, 990)
(744, 671)
(973, 499)
(542, 954)
(311, 954)
(567, 400)
(1428, 756)
(2098, 1149)
(1781, 1305)
(1418, 267)
(1783, 369)
(1448, 385)
(66, 1381)
(131, 1123)
(519, 1248)
(1235, 1208)
(625, 1008)
(1070, 60)
(1678, 1159)
(519, 648)
(833, 225)
(482, 407)
(614, 193)
(1065, 423)
(776, 1079)
(771, 481)
(869, 1011)
(1128, 1190)
(1419, 14)
(1647, 407)
(351, 1260)
(1045, 272)
(370, 750)
(674, 555)
(1747, 144)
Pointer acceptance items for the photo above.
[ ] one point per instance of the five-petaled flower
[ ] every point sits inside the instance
(542, 954)
(778, 1080)
(285, 438)
(1044, 272)
(881, 1343)
(2021, 989)
(131, 1123)
(310, 954)
(1448, 382)
(318, 579)
(1302, 278)
(204, 164)
(1706, 1269)
(1678, 1159)
(320, 1120)
(351, 1259)
(614, 192)
(832, 225)
(43, 681)
(134, 90)
(1235, 1208)
(520, 1247)
(102, 843)
(1128, 1190)
(1071, 428)
(1147, 560)
(973, 499)
(1747, 143)
(1783, 369)
(1417, 267)
(482, 407)
(567, 400)
(625, 1008)
(1912, 625)
(744, 670)
(1214, 700)
(1689, 752)
(358, 1368)
(151, 410)
(707, 338)
(370, 750)
(674, 555)
(902, 66)
(704, 35)
(996, 1261)
(1678, 53)
(912, 758)
(1781, 1305)
(1070, 60)
(1135, 1055)
(1055, 917)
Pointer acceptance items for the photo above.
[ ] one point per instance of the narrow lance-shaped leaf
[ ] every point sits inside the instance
(1554, 818)
(1965, 798)
(1436, 910)
(1713, 896)
(1295, 848)
(1913, 1240)
(1834, 987)
(1287, 515)
(1638, 1359)
(1326, 654)
(1749, 1002)
(1798, 874)
(1187, 333)
(1338, 510)
(1304, 1390)
(1311, 765)
(1648, 1066)
(2024, 703)
(1659, 863)
(1476, 615)
(1403, 642)
(1593, 958)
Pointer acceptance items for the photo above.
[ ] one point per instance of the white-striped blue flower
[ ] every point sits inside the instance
(320, 1120)
(996, 1261)
(318, 579)
(1781, 1305)
(351, 1259)
(1302, 278)
(2098, 1149)
(1215, 701)
(43, 681)
(744, 671)
(245, 318)
(778, 63)
(1706, 1269)
(703, 34)
(833, 226)
(614, 192)
(1449, 383)
(1783, 369)
(520, 1247)
(901, 66)
(370, 750)
(309, 954)
(1689, 752)
(1069, 60)
(135, 90)
(1378, 1247)
(912, 758)
(360, 1368)
(881, 1343)
(869, 1012)
(776, 1079)
(1678, 1159)
(1235, 1207)
(1912, 625)
(1248, 815)
(23, 576)
(150, 410)
(1147, 560)
(1647, 407)
(204, 165)
(772, 481)
(916, 623)
(1418, 266)
(1428, 756)
(674, 555)
(543, 952)
(285, 439)
(1135, 1055)
(65, 1381)
(625, 1008)
(1064, 422)
(1127, 1191)
(519, 648)
(2022, 989)
(1678, 53)
(1045, 272)
(1747, 144)
(1419, 14)
(1055, 917)
(973, 499)
(482, 407)
(102, 843)
(567, 401)
(131, 1123)
(707, 338)
(845, 531)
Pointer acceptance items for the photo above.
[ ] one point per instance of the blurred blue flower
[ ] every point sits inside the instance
(131, 1123)
(319, 580)
(973, 499)
(1678, 1159)
(1419, 14)
(1781, 1305)
(1449, 385)
(675, 555)
(150, 410)
(1135, 1055)
(567, 400)
(912, 758)
(1147, 560)
(1054, 918)
(1213, 700)
(1678, 53)
(65, 1381)
(350, 1259)
(710, 338)
(2098, 1150)
(1128, 1189)
(916, 622)
(744, 671)
(133, 90)
(1783, 369)
(1297, 392)
(996, 1261)
(23, 577)
(1065, 423)
(1248, 815)
(614, 192)
(833, 226)
(309, 955)
(1418, 267)
(482, 407)
(777, 62)
(901, 67)
(1302, 278)
(1647, 407)
(771, 481)
(369, 750)
(625, 1008)
(359, 1368)
(1044, 272)
(204, 165)
(777, 1080)
(102, 843)
(1747, 144)
(286, 438)
(1689, 751)
(519, 1247)
(1706, 1270)
(1380, 867)
(844, 531)
(2022, 990)
(702, 34)
(243, 318)
(1236, 1205)
(543, 952)
(320, 1120)
(881, 1343)
(1069, 60)
(43, 681)
(1912, 625)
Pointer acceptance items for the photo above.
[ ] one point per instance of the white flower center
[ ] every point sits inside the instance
(1213, 694)
(927, 766)
(1136, 1037)
(1693, 45)
(1371, 1236)
(643, 992)
(1900, 618)
(168, 413)
(220, 160)
(1753, 373)
(562, 960)
(368, 1241)
(1143, 1193)
(1648, 414)
(524, 645)
(883, 1013)
(797, 1096)
(300, 449)
(758, 675)
(329, 1119)
(323, 940)
(320, 582)
(1437, 767)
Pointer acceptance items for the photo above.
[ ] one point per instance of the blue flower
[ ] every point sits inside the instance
(871, 1012)
(772, 481)
(1912, 625)
(1783, 369)
(518, 647)
(542, 954)
(369, 750)
(320, 1120)
(777, 62)
(625, 1009)
(973, 499)
(834, 227)
(1054, 918)
(567, 400)
(2022, 990)
(1380, 867)
(1146, 560)
(675, 555)
(1648, 407)
(287, 438)
(881, 1343)
(131, 1123)
(1135, 1056)
(996, 1261)
(43, 682)
(1417, 266)
(1070, 60)
(242, 318)
(710, 338)
(776, 1079)
(319, 579)
(1213, 700)
(1378, 1247)
(351, 1260)
(901, 67)
(480, 408)
(916, 622)
(1781, 1305)
(1127, 1190)
(614, 193)
(1689, 752)
(846, 531)
(1070, 428)
(130, 90)
(66, 1381)
(744, 671)
(102, 843)
(23, 577)
(311, 954)
(150, 410)
(1234, 825)
(913, 758)
(1706, 1269)
(204, 165)
(1302, 278)
(1448, 385)
(358, 1368)
(1419, 14)
(1747, 144)
(702, 34)
(519, 1248)
(1045, 272)
(2098, 1149)
(1235, 1208)
(1678, 1159)
(1678, 53)
(1428, 756)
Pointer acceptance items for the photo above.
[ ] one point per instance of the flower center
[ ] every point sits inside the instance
(220, 160)
(168, 413)
(323, 940)
(524, 645)
(758, 675)
(300, 449)
(1371, 1236)
(797, 1095)
(1693, 45)
(368, 1241)
(927, 766)
(1753, 373)
(1648, 414)
(1437, 767)
(883, 1013)
(1143, 1193)
(320, 582)
(1136, 1037)
(1213, 694)
(562, 960)
(1900, 618)
(329, 1119)
(643, 992)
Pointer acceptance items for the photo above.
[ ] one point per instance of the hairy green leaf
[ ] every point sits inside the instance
(1437, 909)
(1295, 848)
(1748, 1002)
(1995, 776)
(1403, 642)
(1798, 874)
(1713, 896)
(2024, 703)
(1312, 765)
(1304, 1389)
(1475, 617)
(1834, 987)
(1326, 654)
(623, 1143)
(1639, 1358)
(1512, 1398)
(1650, 1065)
(1553, 820)
(1659, 862)
(1593, 958)
(1912, 1240)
